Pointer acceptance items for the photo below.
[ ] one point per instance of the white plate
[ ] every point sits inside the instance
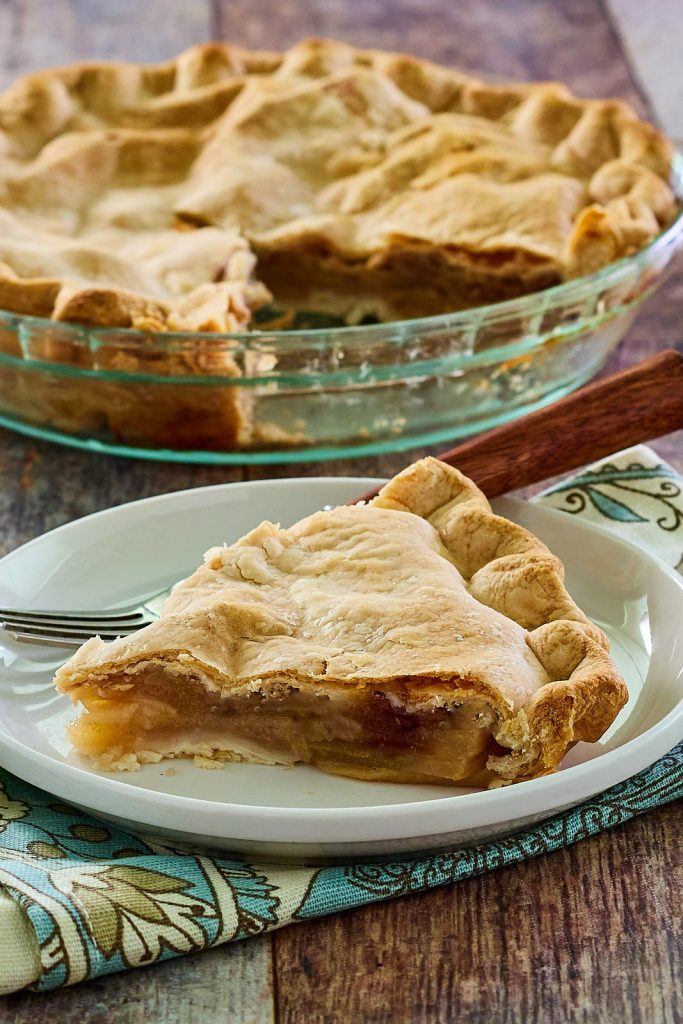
(300, 813)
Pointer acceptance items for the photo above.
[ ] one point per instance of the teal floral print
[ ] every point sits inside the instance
(615, 494)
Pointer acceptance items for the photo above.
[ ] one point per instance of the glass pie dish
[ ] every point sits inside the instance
(319, 392)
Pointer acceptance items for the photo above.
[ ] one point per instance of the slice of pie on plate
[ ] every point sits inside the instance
(418, 638)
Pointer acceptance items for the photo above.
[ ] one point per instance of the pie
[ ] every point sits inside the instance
(355, 181)
(418, 638)
(228, 189)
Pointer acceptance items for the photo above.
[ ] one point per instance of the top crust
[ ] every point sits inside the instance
(425, 591)
(358, 160)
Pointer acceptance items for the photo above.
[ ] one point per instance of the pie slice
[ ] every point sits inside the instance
(417, 638)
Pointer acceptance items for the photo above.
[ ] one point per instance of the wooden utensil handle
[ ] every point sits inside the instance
(632, 406)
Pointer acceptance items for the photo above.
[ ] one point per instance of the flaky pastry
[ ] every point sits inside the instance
(418, 638)
(138, 195)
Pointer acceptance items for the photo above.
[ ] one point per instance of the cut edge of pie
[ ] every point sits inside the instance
(419, 638)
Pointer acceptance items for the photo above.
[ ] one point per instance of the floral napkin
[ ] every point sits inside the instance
(81, 898)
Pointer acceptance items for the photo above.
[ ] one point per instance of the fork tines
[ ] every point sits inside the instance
(69, 628)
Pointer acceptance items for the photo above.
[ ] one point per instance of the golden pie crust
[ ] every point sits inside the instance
(182, 196)
(419, 638)
(137, 195)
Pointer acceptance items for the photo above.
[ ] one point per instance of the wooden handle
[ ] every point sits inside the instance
(630, 407)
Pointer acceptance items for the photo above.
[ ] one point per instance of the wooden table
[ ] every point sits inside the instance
(590, 934)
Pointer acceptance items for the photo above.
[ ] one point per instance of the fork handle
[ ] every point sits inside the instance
(629, 407)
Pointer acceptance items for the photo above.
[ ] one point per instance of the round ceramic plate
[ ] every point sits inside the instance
(300, 813)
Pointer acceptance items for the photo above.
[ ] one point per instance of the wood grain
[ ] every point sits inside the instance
(626, 408)
(590, 935)
(226, 985)
(40, 33)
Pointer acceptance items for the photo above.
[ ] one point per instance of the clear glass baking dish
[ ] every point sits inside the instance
(299, 395)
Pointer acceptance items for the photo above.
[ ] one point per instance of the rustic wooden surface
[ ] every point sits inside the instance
(590, 934)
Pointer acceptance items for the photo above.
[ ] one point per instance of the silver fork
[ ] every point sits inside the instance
(54, 628)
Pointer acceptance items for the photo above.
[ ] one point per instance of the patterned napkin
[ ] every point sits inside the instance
(82, 898)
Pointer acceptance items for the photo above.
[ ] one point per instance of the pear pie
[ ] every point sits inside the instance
(417, 638)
